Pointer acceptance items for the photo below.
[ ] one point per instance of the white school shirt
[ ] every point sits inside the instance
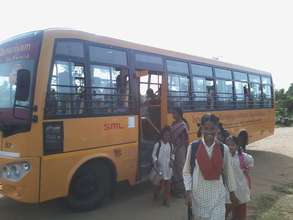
(163, 159)
(208, 195)
(242, 188)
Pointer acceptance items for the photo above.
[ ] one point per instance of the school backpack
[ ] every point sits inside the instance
(154, 175)
(194, 148)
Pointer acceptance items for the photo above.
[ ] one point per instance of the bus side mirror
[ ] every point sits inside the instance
(23, 82)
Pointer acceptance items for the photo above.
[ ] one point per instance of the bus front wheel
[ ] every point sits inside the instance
(89, 186)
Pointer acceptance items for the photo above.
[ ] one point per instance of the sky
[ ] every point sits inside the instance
(252, 33)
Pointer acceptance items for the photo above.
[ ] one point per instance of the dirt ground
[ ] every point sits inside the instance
(273, 166)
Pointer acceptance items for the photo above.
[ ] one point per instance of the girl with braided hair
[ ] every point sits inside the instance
(241, 163)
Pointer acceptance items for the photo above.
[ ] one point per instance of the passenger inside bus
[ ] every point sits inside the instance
(152, 105)
(53, 102)
(152, 98)
(211, 97)
(122, 83)
(246, 94)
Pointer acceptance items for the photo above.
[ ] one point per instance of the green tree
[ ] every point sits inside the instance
(280, 99)
(284, 102)
(280, 94)
(288, 104)
(290, 91)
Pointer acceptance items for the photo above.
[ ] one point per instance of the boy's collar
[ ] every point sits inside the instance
(204, 143)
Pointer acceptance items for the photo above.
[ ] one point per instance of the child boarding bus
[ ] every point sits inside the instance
(80, 112)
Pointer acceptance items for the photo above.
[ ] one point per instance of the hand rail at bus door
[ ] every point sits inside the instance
(151, 123)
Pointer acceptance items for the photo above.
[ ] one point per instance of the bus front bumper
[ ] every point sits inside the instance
(25, 189)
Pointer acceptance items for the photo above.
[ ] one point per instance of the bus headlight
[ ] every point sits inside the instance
(14, 171)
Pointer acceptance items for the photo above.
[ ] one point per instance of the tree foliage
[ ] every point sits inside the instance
(284, 102)
(290, 91)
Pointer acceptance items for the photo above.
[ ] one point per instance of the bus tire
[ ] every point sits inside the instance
(90, 185)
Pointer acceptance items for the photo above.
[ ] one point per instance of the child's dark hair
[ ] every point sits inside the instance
(210, 118)
(180, 113)
(223, 132)
(207, 118)
(232, 138)
(164, 130)
(243, 139)
(236, 141)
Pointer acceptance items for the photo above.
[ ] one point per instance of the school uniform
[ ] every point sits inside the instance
(242, 184)
(163, 159)
(208, 190)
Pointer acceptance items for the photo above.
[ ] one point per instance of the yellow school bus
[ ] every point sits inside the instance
(80, 112)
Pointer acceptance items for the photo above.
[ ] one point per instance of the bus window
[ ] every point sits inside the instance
(223, 74)
(144, 85)
(267, 95)
(255, 94)
(199, 93)
(224, 94)
(155, 84)
(241, 93)
(66, 91)
(224, 89)
(8, 74)
(110, 89)
(147, 61)
(177, 67)
(254, 78)
(107, 55)
(178, 85)
(241, 89)
(178, 91)
(255, 90)
(200, 70)
(239, 76)
(151, 82)
(266, 91)
(266, 80)
(144, 58)
(203, 93)
(69, 48)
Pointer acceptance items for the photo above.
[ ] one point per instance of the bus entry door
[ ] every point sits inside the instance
(150, 117)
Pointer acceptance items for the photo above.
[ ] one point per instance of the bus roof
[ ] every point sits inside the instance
(75, 34)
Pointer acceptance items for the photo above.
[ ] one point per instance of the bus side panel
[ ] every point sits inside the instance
(84, 133)
(259, 123)
(22, 143)
(57, 170)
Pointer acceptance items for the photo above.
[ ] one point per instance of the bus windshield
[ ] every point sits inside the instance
(16, 54)
(8, 81)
